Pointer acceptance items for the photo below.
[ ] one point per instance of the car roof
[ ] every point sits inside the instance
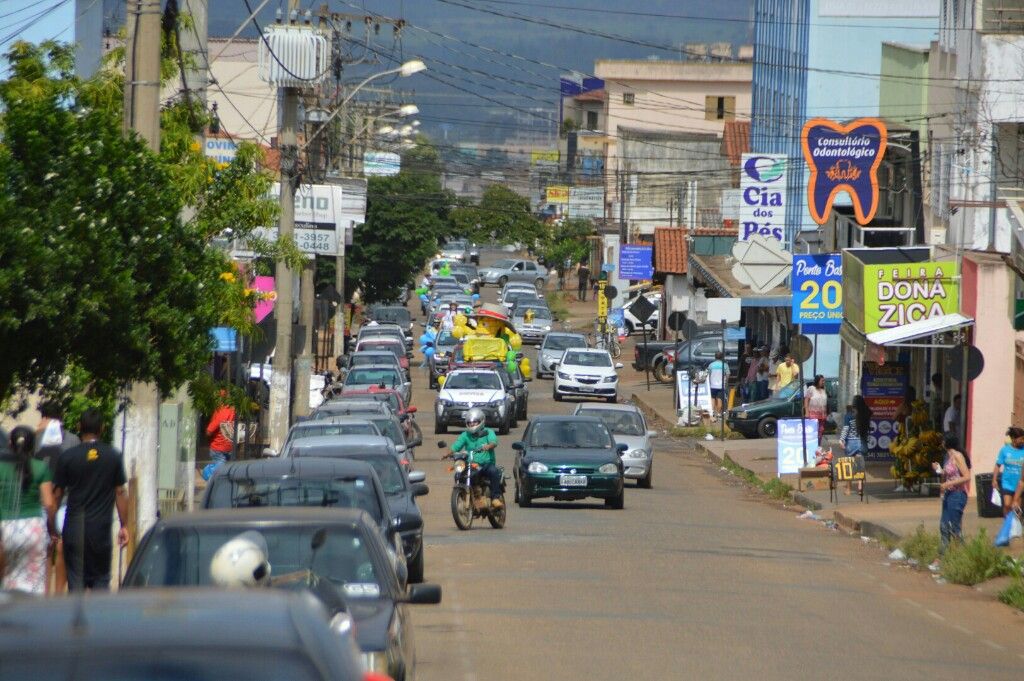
(474, 368)
(339, 419)
(288, 515)
(571, 334)
(160, 618)
(590, 406)
(305, 467)
(325, 441)
(589, 351)
(376, 353)
(339, 406)
(565, 417)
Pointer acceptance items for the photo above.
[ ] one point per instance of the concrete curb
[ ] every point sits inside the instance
(650, 413)
(806, 501)
(867, 528)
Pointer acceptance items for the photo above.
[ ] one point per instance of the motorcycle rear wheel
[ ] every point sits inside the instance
(462, 508)
(497, 515)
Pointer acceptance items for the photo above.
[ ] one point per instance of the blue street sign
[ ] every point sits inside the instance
(636, 261)
(608, 267)
(735, 333)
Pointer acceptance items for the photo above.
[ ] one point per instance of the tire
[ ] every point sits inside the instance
(629, 328)
(497, 516)
(768, 427)
(612, 399)
(554, 395)
(502, 281)
(514, 418)
(615, 350)
(662, 373)
(617, 503)
(505, 425)
(522, 499)
(539, 284)
(462, 508)
(440, 427)
(522, 415)
(416, 568)
(646, 481)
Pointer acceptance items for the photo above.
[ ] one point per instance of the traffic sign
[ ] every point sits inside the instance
(642, 309)
(676, 320)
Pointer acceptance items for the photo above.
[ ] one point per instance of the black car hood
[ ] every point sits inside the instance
(372, 619)
(559, 455)
(402, 504)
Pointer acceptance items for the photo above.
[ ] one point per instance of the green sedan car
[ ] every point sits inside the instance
(568, 458)
(761, 418)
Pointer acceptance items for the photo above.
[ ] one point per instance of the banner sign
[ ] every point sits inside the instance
(544, 157)
(586, 202)
(381, 163)
(636, 261)
(884, 387)
(699, 398)
(220, 149)
(789, 447)
(843, 158)
(895, 295)
(818, 292)
(762, 196)
(557, 193)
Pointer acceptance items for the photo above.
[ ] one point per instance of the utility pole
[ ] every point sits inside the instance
(193, 43)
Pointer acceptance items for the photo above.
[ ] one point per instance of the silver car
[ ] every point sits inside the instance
(335, 425)
(555, 343)
(507, 270)
(363, 378)
(628, 427)
(532, 331)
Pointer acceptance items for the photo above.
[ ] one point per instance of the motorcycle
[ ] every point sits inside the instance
(471, 494)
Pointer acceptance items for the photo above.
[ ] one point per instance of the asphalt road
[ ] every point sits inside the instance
(696, 578)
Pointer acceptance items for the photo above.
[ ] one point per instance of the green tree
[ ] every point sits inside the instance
(502, 216)
(102, 283)
(567, 241)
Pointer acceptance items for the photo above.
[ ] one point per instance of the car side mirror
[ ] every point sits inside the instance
(652, 433)
(423, 594)
(518, 446)
(621, 447)
(268, 452)
(417, 476)
(618, 365)
(406, 522)
(400, 448)
(420, 489)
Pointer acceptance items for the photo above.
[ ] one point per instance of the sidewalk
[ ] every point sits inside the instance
(884, 513)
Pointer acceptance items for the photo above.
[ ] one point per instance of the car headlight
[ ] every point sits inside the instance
(608, 469)
(537, 467)
(564, 376)
(376, 662)
(547, 328)
(443, 402)
(610, 379)
(740, 414)
(637, 454)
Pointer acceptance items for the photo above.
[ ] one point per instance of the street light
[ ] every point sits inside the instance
(415, 124)
(408, 110)
(411, 67)
(386, 131)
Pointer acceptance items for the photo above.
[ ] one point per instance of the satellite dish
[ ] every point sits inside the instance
(801, 348)
(955, 364)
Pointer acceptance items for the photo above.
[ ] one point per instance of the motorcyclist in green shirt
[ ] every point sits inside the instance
(480, 442)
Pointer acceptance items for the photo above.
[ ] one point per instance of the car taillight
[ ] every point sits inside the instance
(636, 353)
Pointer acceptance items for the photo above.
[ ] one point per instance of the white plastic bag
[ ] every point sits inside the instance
(996, 498)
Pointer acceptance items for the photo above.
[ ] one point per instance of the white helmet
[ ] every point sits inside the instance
(475, 420)
(241, 562)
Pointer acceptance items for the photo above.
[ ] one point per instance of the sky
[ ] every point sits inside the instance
(34, 21)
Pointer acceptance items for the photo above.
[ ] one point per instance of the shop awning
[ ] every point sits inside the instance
(925, 328)
(716, 273)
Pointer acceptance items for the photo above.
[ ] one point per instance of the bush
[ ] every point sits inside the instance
(922, 546)
(974, 561)
(777, 489)
(1013, 595)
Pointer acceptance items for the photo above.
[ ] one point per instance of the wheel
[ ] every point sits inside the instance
(440, 427)
(434, 385)
(614, 349)
(539, 283)
(629, 328)
(505, 425)
(514, 418)
(768, 426)
(416, 568)
(522, 412)
(617, 503)
(645, 482)
(522, 498)
(462, 508)
(497, 515)
(662, 372)
(502, 281)
(612, 399)
(554, 395)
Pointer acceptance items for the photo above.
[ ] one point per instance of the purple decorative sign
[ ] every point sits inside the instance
(843, 158)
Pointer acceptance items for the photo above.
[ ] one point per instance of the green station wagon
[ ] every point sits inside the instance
(760, 419)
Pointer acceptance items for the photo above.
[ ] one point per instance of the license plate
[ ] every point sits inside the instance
(585, 389)
(572, 480)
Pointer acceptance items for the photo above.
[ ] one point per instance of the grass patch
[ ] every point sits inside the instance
(774, 487)
(556, 303)
(1013, 595)
(700, 432)
(975, 561)
(922, 546)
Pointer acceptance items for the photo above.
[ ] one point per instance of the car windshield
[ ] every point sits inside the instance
(380, 346)
(181, 556)
(378, 357)
(389, 429)
(618, 421)
(342, 492)
(788, 391)
(502, 264)
(392, 314)
(587, 359)
(461, 277)
(572, 434)
(452, 245)
(473, 380)
(372, 376)
(315, 429)
(158, 664)
(564, 342)
(441, 281)
(538, 312)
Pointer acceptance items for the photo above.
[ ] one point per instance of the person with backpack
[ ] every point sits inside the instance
(26, 491)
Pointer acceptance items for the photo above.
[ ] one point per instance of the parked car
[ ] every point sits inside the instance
(343, 406)
(516, 286)
(761, 418)
(471, 271)
(628, 426)
(354, 556)
(586, 372)
(334, 425)
(702, 349)
(444, 345)
(644, 355)
(552, 347)
(362, 378)
(395, 314)
(401, 487)
(568, 458)
(167, 634)
(405, 412)
(633, 324)
(506, 270)
(465, 388)
(382, 353)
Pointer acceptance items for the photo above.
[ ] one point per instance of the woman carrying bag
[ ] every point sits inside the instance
(956, 481)
(26, 490)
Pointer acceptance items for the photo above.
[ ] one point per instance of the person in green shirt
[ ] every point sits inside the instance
(480, 442)
(26, 489)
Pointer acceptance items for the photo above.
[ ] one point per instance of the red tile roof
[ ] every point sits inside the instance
(735, 141)
(592, 96)
(670, 250)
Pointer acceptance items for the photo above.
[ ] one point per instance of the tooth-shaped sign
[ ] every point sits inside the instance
(843, 158)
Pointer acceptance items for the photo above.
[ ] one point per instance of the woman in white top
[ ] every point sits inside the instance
(816, 403)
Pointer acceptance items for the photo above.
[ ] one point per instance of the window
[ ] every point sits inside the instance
(592, 120)
(628, 98)
(719, 108)
(531, 267)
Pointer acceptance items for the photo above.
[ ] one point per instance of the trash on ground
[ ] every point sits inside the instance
(897, 554)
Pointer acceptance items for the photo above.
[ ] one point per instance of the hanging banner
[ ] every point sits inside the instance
(586, 202)
(843, 158)
(789, 447)
(762, 207)
(884, 387)
(895, 295)
(381, 163)
(557, 193)
(818, 292)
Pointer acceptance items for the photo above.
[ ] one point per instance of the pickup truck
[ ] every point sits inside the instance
(641, 359)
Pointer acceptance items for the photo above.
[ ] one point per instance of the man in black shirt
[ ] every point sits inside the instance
(92, 475)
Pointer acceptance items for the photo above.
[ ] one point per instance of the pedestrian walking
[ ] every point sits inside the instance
(1006, 476)
(951, 419)
(956, 481)
(787, 371)
(854, 435)
(92, 476)
(716, 383)
(763, 375)
(26, 499)
(221, 432)
(816, 403)
(52, 438)
(582, 281)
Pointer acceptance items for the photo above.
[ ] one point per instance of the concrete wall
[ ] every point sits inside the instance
(903, 89)
(248, 98)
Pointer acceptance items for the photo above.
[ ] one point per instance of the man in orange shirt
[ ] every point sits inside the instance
(220, 431)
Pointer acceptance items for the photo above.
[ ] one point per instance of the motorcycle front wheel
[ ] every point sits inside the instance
(462, 508)
(497, 515)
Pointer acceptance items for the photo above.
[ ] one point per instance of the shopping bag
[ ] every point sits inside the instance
(1011, 528)
(996, 498)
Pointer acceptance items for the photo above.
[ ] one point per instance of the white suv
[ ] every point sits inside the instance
(586, 372)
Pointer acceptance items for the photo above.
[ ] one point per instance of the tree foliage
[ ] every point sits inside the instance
(102, 283)
(501, 216)
(567, 241)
